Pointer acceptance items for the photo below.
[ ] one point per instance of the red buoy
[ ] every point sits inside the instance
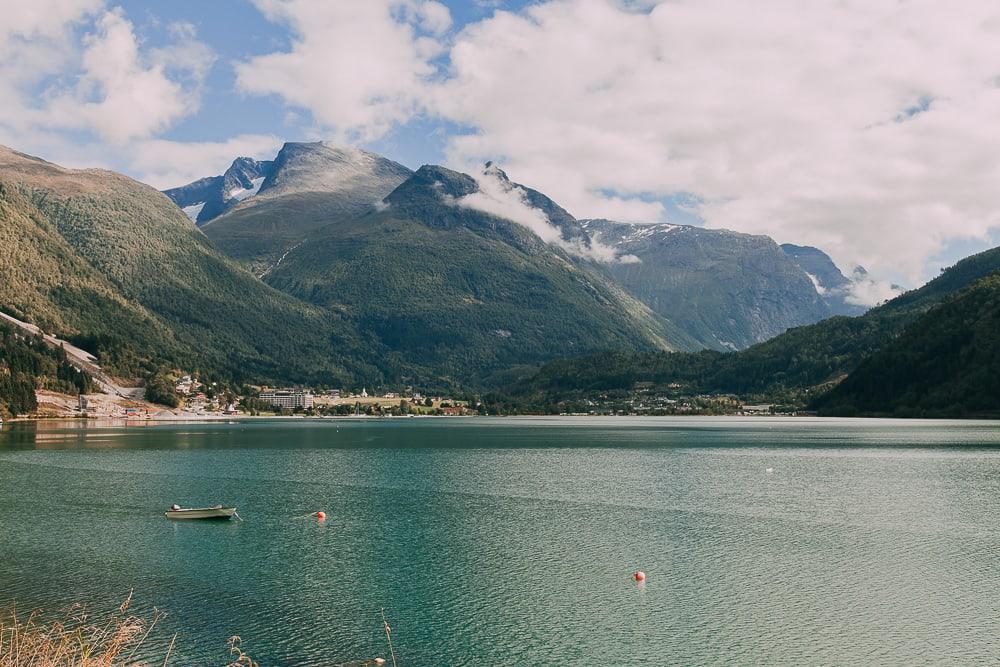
(639, 575)
(321, 515)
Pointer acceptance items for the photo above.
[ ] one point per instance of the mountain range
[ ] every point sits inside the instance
(706, 288)
(336, 265)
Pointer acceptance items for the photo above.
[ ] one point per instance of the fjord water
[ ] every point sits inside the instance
(511, 541)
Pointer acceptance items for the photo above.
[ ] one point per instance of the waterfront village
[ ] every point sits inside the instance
(207, 399)
(188, 396)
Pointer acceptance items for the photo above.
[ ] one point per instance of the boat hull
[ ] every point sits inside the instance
(220, 513)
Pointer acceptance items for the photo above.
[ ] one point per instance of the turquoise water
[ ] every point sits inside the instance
(511, 542)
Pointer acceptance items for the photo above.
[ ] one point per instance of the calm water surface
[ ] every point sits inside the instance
(510, 542)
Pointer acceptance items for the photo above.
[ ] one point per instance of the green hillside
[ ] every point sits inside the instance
(946, 363)
(459, 292)
(793, 366)
(115, 267)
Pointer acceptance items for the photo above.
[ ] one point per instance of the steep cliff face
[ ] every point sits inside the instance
(832, 285)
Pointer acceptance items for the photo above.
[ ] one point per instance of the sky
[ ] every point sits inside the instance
(868, 128)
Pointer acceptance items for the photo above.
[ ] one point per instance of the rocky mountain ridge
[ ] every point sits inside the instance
(208, 198)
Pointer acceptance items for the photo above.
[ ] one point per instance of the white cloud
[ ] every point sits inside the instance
(357, 67)
(118, 96)
(36, 40)
(166, 164)
(867, 292)
(71, 66)
(43, 18)
(434, 17)
(867, 128)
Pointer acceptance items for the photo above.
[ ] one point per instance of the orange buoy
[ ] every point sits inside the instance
(639, 575)
(321, 515)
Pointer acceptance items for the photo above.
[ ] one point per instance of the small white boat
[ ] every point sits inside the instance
(213, 512)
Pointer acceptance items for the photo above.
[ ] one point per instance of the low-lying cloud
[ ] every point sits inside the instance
(499, 197)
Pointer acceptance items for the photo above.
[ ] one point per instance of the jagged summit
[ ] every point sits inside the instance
(207, 198)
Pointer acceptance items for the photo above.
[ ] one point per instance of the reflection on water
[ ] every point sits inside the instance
(493, 542)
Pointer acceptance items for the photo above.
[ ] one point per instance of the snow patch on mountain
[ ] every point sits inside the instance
(640, 232)
(239, 194)
(628, 235)
(193, 210)
(816, 283)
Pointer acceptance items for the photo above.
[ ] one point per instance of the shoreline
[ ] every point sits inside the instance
(231, 419)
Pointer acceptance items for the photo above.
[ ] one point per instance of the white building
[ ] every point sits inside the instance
(285, 398)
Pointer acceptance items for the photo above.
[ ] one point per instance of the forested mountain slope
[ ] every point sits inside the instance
(114, 266)
(946, 363)
(27, 364)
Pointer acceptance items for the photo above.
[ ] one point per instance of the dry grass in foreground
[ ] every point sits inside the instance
(79, 641)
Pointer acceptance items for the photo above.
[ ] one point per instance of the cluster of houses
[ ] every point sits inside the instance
(197, 401)
(195, 395)
(651, 401)
(301, 398)
(187, 385)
